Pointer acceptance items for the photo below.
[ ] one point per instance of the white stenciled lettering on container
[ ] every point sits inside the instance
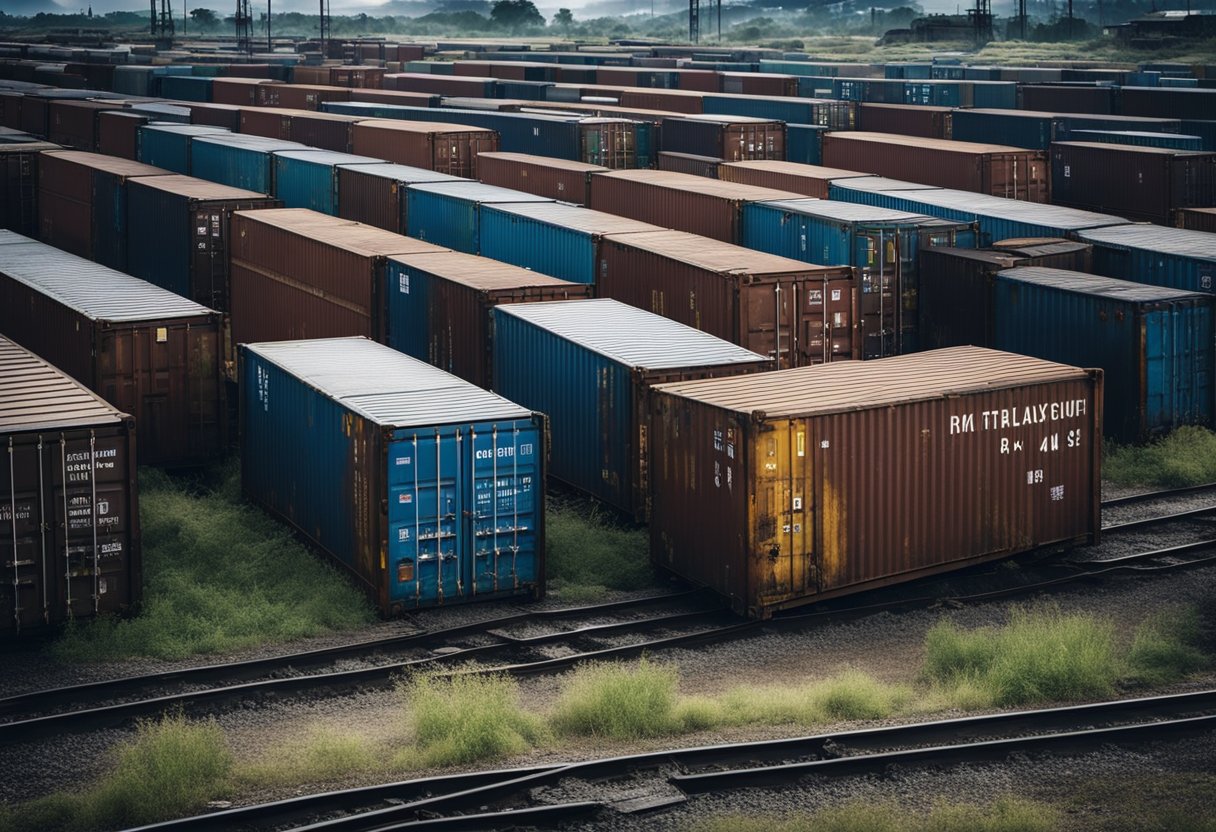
(502, 453)
(1017, 417)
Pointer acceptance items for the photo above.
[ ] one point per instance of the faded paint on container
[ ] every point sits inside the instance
(326, 131)
(444, 148)
(560, 179)
(309, 178)
(835, 115)
(167, 146)
(1154, 344)
(806, 518)
(118, 133)
(449, 213)
(1171, 257)
(689, 163)
(731, 138)
(376, 194)
(238, 161)
(425, 489)
(794, 312)
(439, 307)
(601, 358)
(74, 123)
(906, 120)
(147, 351)
(808, 180)
(69, 503)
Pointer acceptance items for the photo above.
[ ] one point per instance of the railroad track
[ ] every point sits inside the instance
(1162, 494)
(654, 780)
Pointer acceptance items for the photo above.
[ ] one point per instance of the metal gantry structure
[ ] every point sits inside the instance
(244, 27)
(981, 21)
(694, 18)
(325, 27)
(162, 20)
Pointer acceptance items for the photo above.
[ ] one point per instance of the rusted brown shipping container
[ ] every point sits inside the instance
(243, 92)
(808, 180)
(438, 146)
(405, 99)
(69, 504)
(997, 170)
(147, 351)
(296, 273)
(268, 122)
(699, 80)
(1049, 252)
(376, 194)
(905, 120)
(440, 84)
(689, 163)
(227, 116)
(327, 131)
(732, 138)
(299, 96)
(562, 179)
(439, 307)
(118, 133)
(74, 123)
(678, 200)
(781, 489)
(673, 101)
(1196, 219)
(785, 309)
(758, 83)
(19, 186)
(310, 75)
(1140, 183)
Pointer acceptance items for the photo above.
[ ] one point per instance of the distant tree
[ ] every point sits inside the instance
(515, 15)
(564, 19)
(204, 18)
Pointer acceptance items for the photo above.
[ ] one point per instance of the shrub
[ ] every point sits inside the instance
(619, 701)
(1187, 456)
(1166, 647)
(467, 718)
(586, 555)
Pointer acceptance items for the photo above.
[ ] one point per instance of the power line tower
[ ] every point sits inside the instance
(162, 21)
(244, 27)
(981, 21)
(325, 28)
(694, 21)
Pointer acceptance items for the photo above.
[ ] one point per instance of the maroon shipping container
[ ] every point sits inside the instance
(74, 123)
(672, 101)
(1063, 99)
(807, 180)
(678, 200)
(997, 170)
(616, 76)
(905, 120)
(758, 83)
(445, 85)
(410, 52)
(699, 80)
(327, 131)
(731, 138)
(118, 133)
(296, 273)
(19, 186)
(1168, 102)
(690, 164)
(507, 70)
(147, 351)
(10, 109)
(405, 99)
(437, 146)
(299, 96)
(69, 502)
(785, 309)
(1140, 183)
(261, 72)
(227, 116)
(560, 179)
(269, 122)
(1196, 219)
(243, 92)
(376, 194)
(780, 489)
(357, 77)
(461, 291)
(310, 75)
(35, 112)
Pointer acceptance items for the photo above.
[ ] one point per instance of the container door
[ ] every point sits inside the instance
(424, 518)
(503, 492)
(826, 320)
(878, 257)
(770, 321)
(28, 583)
(783, 562)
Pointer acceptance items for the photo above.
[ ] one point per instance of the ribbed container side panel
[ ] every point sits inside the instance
(1149, 263)
(567, 253)
(170, 148)
(19, 187)
(302, 183)
(804, 143)
(906, 120)
(1169, 141)
(1196, 219)
(231, 164)
(551, 181)
(1030, 130)
(118, 133)
(186, 88)
(443, 220)
(835, 115)
(667, 206)
(1053, 99)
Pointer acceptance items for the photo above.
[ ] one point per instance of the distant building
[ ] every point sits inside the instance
(1158, 26)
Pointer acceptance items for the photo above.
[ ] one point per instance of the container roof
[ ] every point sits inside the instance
(1113, 147)
(186, 129)
(544, 161)
(700, 185)
(865, 385)
(1141, 134)
(480, 273)
(247, 142)
(406, 173)
(388, 387)
(629, 335)
(189, 186)
(477, 192)
(109, 164)
(1199, 245)
(718, 256)
(928, 143)
(576, 217)
(1088, 284)
(1001, 259)
(724, 119)
(327, 157)
(404, 126)
(367, 240)
(36, 396)
(97, 292)
(799, 169)
(848, 211)
(1039, 246)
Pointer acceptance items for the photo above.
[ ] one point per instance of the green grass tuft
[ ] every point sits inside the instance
(850, 695)
(466, 718)
(621, 701)
(220, 575)
(586, 554)
(1005, 815)
(1166, 647)
(321, 754)
(1187, 456)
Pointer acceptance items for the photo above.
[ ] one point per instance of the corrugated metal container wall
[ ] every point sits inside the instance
(997, 170)
(239, 161)
(309, 178)
(881, 243)
(793, 311)
(600, 359)
(807, 519)
(1167, 103)
(1141, 183)
(732, 138)
(188, 253)
(267, 122)
(326, 131)
(956, 295)
(445, 148)
(426, 489)
(19, 186)
(551, 237)
(1196, 219)
(186, 88)
(1171, 257)
(1051, 99)
(148, 352)
(69, 453)
(300, 274)
(216, 115)
(1154, 344)
(299, 96)
(835, 115)
(448, 213)
(376, 194)
(74, 123)
(82, 203)
(239, 91)
(167, 146)
(118, 133)
(1138, 138)
(439, 307)
(804, 143)
(688, 163)
(560, 179)
(808, 180)
(906, 120)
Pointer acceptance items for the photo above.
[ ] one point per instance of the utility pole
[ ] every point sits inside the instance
(269, 17)
(694, 21)
(325, 28)
(244, 27)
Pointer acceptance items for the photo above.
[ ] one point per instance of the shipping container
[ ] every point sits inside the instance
(1154, 344)
(732, 138)
(444, 148)
(1173, 257)
(998, 218)
(309, 178)
(239, 161)
(407, 99)
(267, 122)
(1037, 130)
(1155, 102)
(551, 237)
(906, 120)
(835, 115)
(881, 243)
(188, 253)
(186, 88)
(227, 116)
(996, 170)
(439, 307)
(1068, 99)
(1140, 183)
(325, 131)
(429, 84)
(167, 146)
(758, 83)
(808, 180)
(243, 92)
(804, 143)
(560, 179)
(677, 200)
(297, 274)
(74, 123)
(1051, 252)
(765, 487)
(449, 213)
(426, 489)
(600, 359)
(299, 96)
(82, 203)
(1196, 219)
(376, 194)
(794, 312)
(690, 164)
(118, 133)
(69, 504)
(1173, 141)
(19, 186)
(148, 352)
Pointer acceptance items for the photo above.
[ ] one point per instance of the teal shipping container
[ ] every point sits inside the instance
(448, 213)
(426, 489)
(1138, 138)
(589, 365)
(185, 88)
(804, 143)
(238, 160)
(882, 243)
(1176, 257)
(1155, 344)
(168, 145)
(309, 178)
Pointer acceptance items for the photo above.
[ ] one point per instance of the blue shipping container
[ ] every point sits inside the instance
(309, 178)
(1175, 141)
(238, 160)
(1143, 253)
(1154, 344)
(185, 88)
(589, 365)
(804, 143)
(835, 115)
(448, 213)
(427, 489)
(168, 145)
